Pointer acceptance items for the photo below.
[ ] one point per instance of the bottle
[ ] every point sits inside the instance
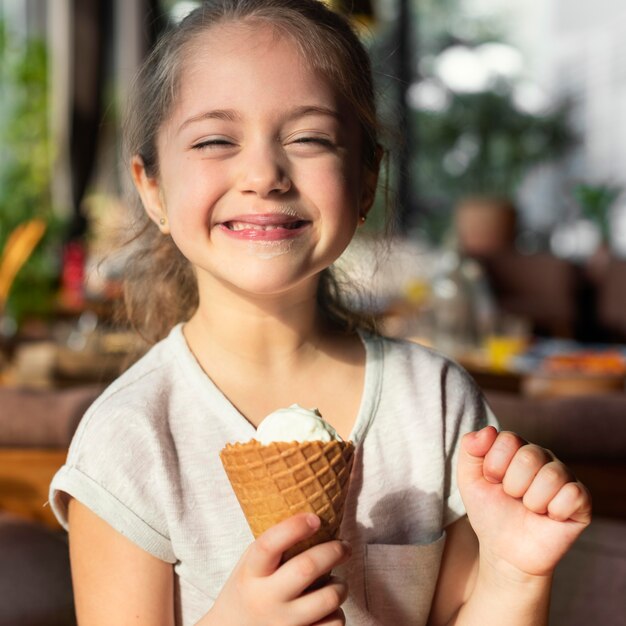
(462, 303)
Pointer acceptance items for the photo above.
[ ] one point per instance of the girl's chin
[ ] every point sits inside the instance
(268, 249)
(269, 286)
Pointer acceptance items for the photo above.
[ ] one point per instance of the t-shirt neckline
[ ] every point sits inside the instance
(209, 393)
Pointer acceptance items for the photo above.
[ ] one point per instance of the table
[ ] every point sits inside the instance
(25, 475)
(525, 373)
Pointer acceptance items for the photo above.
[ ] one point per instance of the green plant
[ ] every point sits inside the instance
(25, 169)
(483, 144)
(596, 201)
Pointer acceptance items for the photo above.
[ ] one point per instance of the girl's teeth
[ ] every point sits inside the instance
(246, 226)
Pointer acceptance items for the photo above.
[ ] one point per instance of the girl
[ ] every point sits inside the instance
(254, 150)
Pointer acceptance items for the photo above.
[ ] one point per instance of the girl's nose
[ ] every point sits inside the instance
(263, 173)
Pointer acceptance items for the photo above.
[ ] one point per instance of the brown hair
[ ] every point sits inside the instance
(160, 286)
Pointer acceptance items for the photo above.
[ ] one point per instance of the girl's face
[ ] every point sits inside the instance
(260, 175)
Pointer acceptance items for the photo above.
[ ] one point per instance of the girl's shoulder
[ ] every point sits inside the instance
(139, 394)
(148, 375)
(411, 365)
(408, 351)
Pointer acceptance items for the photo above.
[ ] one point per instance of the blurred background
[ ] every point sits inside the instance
(507, 130)
(506, 247)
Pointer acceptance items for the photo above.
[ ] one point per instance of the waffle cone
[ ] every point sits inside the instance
(275, 481)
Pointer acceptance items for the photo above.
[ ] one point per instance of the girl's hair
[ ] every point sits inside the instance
(160, 286)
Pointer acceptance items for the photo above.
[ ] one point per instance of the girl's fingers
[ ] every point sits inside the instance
(301, 571)
(264, 555)
(572, 502)
(321, 606)
(336, 619)
(545, 486)
(524, 466)
(500, 455)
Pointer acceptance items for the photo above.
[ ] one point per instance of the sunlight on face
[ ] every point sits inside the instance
(260, 167)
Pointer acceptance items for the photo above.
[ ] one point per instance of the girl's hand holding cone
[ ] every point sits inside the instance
(263, 592)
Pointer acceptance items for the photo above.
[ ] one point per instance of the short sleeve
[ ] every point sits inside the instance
(114, 467)
(465, 410)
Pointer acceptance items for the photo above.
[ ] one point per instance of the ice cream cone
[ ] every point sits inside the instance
(275, 481)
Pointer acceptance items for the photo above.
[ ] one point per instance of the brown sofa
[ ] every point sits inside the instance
(35, 583)
(559, 297)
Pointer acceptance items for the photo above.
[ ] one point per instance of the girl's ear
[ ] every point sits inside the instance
(370, 182)
(149, 191)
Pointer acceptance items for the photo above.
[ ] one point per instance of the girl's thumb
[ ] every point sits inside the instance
(474, 447)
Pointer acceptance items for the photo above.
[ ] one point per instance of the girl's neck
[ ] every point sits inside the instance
(272, 353)
(259, 332)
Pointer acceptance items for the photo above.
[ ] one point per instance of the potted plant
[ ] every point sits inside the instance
(477, 142)
(596, 202)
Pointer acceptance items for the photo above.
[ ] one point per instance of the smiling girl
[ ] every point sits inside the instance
(253, 147)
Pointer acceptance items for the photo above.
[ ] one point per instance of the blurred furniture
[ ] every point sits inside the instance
(35, 579)
(539, 287)
(611, 301)
(36, 427)
(25, 474)
(590, 582)
(558, 297)
(543, 368)
(541, 384)
(588, 433)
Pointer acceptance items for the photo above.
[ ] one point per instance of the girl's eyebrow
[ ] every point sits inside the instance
(230, 115)
(305, 110)
(217, 114)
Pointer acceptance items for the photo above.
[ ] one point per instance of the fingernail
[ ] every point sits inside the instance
(482, 431)
(313, 521)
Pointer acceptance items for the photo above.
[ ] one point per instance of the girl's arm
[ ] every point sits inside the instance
(526, 510)
(461, 592)
(115, 581)
(457, 573)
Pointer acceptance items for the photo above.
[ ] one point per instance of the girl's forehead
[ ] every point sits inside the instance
(233, 57)
(251, 39)
(229, 38)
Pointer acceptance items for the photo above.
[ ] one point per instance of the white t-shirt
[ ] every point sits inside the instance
(145, 459)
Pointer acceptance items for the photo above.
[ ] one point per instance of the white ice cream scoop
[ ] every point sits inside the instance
(295, 423)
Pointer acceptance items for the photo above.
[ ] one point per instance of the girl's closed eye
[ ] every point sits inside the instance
(213, 143)
(312, 142)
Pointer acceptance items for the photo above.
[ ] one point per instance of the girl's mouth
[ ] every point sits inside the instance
(265, 227)
(239, 226)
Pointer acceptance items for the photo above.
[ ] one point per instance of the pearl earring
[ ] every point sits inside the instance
(362, 218)
(162, 221)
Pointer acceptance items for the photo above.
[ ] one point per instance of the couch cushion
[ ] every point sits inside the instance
(42, 418)
(611, 301)
(574, 428)
(540, 287)
(35, 581)
(590, 582)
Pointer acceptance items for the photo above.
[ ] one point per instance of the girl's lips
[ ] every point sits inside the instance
(265, 227)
